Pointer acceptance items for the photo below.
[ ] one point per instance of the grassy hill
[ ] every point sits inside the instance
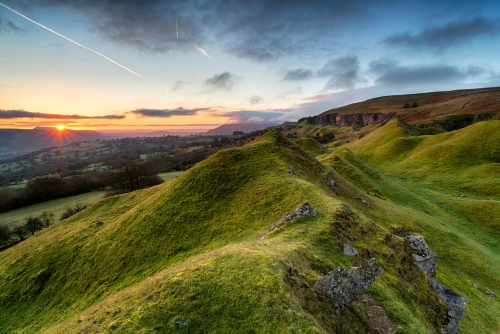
(182, 257)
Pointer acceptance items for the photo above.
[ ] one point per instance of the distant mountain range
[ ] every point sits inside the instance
(40, 137)
(228, 129)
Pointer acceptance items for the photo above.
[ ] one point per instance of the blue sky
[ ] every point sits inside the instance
(269, 60)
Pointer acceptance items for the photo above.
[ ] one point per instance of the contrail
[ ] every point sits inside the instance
(7, 60)
(167, 93)
(177, 31)
(492, 67)
(202, 51)
(69, 39)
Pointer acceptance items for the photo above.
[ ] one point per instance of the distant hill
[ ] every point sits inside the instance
(228, 129)
(434, 108)
(40, 137)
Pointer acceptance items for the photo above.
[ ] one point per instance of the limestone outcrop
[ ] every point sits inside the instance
(304, 209)
(346, 285)
(426, 260)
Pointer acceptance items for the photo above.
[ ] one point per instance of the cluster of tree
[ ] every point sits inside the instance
(131, 176)
(407, 105)
(31, 225)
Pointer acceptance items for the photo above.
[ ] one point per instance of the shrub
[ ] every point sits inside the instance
(73, 210)
(20, 232)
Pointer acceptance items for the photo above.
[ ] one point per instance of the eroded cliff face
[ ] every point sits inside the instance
(356, 120)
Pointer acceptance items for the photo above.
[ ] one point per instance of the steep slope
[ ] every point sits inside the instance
(424, 107)
(183, 256)
(467, 160)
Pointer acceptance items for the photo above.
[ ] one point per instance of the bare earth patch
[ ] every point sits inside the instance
(378, 320)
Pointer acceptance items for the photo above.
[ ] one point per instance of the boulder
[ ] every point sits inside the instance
(346, 285)
(349, 250)
(292, 172)
(365, 203)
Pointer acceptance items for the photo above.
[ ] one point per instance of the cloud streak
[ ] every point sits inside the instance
(298, 75)
(70, 40)
(202, 51)
(165, 113)
(447, 35)
(10, 114)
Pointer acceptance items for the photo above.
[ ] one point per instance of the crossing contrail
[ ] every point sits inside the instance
(202, 51)
(69, 39)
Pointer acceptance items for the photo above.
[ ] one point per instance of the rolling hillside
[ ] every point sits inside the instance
(183, 257)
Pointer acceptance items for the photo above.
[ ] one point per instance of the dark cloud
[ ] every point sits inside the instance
(343, 73)
(298, 75)
(393, 74)
(250, 116)
(225, 81)
(447, 35)
(260, 30)
(7, 114)
(254, 99)
(165, 113)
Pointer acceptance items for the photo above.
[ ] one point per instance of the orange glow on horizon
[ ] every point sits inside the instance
(60, 127)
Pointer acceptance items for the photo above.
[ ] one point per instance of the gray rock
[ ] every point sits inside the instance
(304, 209)
(475, 285)
(346, 285)
(426, 260)
(365, 203)
(332, 186)
(292, 172)
(349, 250)
(456, 307)
(491, 294)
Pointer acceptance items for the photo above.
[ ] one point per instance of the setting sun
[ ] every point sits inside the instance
(60, 127)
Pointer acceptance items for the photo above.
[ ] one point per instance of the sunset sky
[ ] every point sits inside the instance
(176, 65)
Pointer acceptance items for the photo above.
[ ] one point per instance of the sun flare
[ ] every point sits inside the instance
(60, 127)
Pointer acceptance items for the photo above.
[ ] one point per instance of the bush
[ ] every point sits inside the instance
(20, 232)
(5, 234)
(73, 210)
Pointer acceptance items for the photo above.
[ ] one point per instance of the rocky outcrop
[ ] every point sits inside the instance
(332, 186)
(346, 285)
(427, 261)
(356, 120)
(304, 209)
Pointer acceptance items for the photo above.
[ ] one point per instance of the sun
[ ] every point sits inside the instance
(60, 127)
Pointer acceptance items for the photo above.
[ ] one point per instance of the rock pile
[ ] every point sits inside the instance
(346, 285)
(427, 260)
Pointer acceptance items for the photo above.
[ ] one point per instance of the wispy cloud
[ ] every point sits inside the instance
(165, 113)
(9, 114)
(202, 51)
(250, 116)
(445, 36)
(343, 73)
(254, 99)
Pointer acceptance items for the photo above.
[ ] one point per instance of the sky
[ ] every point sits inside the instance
(181, 65)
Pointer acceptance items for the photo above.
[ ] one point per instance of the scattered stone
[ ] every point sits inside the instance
(181, 322)
(491, 294)
(365, 203)
(304, 209)
(426, 260)
(475, 285)
(403, 231)
(332, 186)
(292, 172)
(379, 191)
(320, 146)
(20, 271)
(9, 278)
(346, 285)
(349, 250)
(390, 251)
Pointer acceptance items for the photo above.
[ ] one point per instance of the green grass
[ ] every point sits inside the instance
(187, 249)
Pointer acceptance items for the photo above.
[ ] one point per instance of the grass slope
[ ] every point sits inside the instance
(183, 256)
